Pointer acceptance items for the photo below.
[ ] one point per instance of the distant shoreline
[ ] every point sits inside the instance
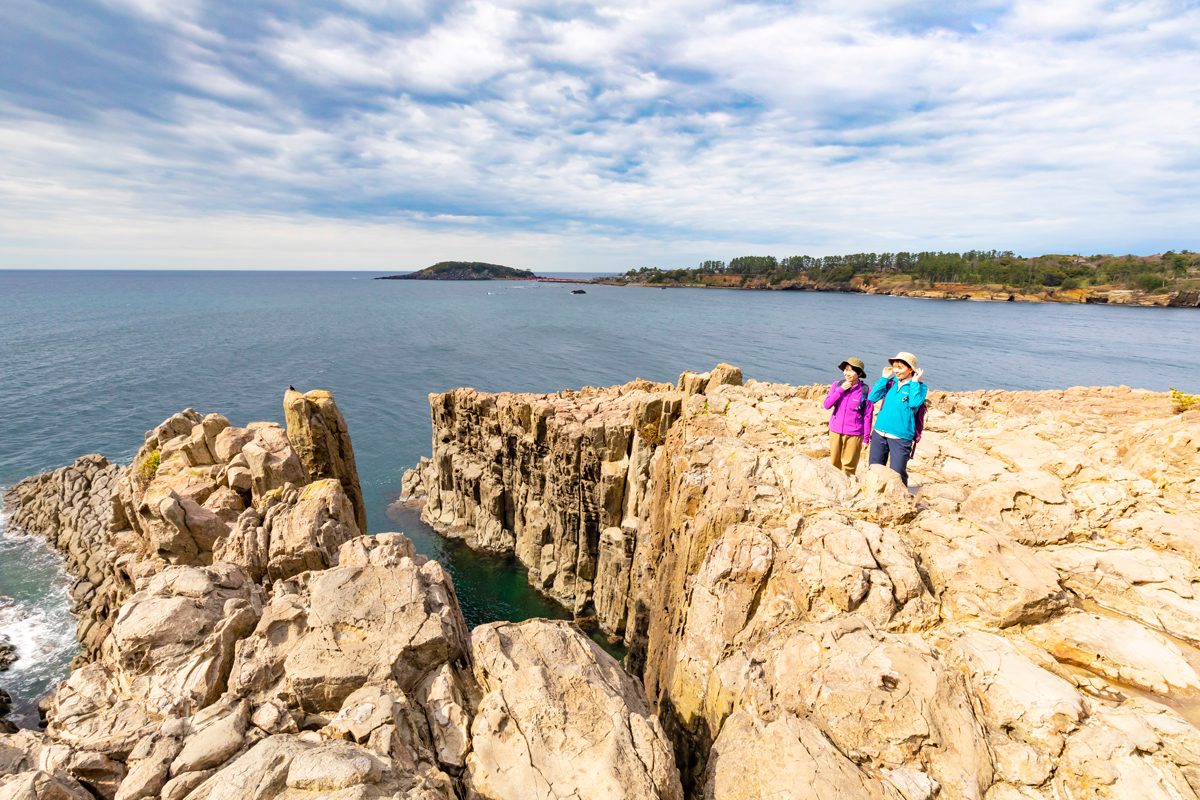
(949, 291)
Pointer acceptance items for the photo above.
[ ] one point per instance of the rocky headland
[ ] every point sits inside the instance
(243, 638)
(1020, 626)
(1023, 624)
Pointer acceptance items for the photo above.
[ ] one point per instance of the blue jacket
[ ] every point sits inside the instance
(898, 415)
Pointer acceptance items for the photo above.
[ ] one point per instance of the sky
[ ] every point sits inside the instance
(580, 136)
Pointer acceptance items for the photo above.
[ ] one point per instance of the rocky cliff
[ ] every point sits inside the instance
(244, 640)
(1023, 624)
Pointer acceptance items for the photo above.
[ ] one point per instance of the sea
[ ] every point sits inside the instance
(91, 360)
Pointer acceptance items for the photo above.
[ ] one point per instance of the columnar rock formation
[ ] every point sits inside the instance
(72, 508)
(317, 430)
(1023, 624)
(255, 644)
(560, 481)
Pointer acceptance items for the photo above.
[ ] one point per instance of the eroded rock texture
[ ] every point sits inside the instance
(559, 480)
(260, 647)
(199, 490)
(1022, 624)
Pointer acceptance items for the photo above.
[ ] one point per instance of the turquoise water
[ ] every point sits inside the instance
(91, 360)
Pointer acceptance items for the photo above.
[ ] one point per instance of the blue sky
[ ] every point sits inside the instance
(389, 134)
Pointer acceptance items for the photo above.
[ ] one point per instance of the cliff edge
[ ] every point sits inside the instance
(244, 639)
(1023, 624)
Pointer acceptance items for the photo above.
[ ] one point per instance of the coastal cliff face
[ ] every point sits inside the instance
(559, 481)
(253, 644)
(1022, 625)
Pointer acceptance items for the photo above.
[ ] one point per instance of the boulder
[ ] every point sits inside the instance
(561, 718)
(788, 758)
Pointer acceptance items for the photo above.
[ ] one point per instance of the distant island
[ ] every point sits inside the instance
(464, 271)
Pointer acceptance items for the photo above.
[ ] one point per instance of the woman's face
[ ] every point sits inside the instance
(902, 370)
(850, 373)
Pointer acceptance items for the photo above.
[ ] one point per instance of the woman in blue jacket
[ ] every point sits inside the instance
(902, 394)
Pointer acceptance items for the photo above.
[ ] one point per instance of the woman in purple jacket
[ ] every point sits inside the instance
(850, 423)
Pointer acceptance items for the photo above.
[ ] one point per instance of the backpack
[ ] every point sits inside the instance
(918, 422)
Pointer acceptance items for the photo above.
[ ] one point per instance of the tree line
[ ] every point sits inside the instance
(1001, 267)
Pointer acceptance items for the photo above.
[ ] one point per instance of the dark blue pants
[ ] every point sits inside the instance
(893, 453)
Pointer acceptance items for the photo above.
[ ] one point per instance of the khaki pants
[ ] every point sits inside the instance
(844, 451)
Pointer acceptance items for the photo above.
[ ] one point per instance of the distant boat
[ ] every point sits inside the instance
(578, 291)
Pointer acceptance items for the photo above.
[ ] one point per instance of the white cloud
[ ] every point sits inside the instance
(821, 128)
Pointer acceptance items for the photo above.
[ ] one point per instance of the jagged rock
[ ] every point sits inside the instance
(301, 530)
(71, 508)
(8, 655)
(272, 461)
(1028, 508)
(20, 751)
(1158, 589)
(175, 638)
(214, 744)
(799, 633)
(543, 477)
(149, 767)
(886, 701)
(384, 612)
(447, 711)
(292, 767)
(169, 654)
(226, 504)
(317, 431)
(560, 718)
(733, 539)
(96, 772)
(1017, 696)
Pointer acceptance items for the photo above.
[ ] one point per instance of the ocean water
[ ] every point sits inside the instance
(89, 361)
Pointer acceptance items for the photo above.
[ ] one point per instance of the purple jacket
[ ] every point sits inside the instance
(851, 415)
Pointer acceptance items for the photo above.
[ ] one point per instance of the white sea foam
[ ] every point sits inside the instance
(35, 616)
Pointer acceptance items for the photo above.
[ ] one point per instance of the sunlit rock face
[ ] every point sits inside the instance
(973, 637)
(256, 644)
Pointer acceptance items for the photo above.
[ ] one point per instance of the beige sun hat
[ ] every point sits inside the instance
(856, 363)
(907, 358)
